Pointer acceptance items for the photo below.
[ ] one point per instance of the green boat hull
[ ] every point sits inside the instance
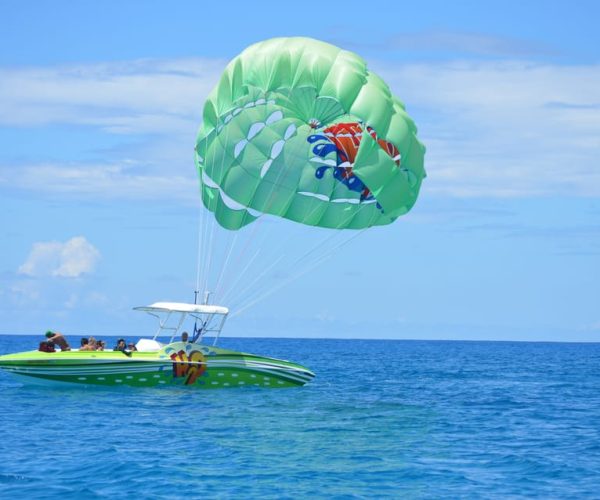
(183, 364)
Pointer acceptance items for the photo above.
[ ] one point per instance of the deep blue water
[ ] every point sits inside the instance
(416, 419)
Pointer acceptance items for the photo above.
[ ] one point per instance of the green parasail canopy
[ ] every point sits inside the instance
(300, 129)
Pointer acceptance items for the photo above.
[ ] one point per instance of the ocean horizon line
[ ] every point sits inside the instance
(375, 339)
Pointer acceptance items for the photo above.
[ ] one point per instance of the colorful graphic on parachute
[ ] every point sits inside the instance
(344, 139)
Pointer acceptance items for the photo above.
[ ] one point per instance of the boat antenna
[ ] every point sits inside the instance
(196, 331)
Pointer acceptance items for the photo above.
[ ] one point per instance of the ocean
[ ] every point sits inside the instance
(383, 418)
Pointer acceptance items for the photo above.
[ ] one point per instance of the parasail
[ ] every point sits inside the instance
(301, 129)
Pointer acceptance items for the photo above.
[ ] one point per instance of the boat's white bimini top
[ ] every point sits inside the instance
(182, 307)
(211, 318)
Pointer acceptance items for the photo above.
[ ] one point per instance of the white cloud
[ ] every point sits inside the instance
(110, 181)
(72, 301)
(499, 129)
(592, 327)
(473, 43)
(70, 259)
(23, 292)
(161, 98)
(128, 97)
(440, 41)
(325, 316)
(505, 128)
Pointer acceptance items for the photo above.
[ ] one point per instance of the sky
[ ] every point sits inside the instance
(100, 104)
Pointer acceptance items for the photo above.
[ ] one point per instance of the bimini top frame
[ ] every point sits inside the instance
(211, 318)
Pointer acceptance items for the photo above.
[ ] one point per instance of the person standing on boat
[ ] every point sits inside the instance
(58, 339)
(185, 337)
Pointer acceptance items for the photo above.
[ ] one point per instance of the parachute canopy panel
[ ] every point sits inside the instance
(301, 129)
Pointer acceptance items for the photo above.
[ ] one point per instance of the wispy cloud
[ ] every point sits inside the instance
(492, 129)
(23, 292)
(70, 259)
(594, 327)
(133, 97)
(455, 42)
(159, 102)
(102, 182)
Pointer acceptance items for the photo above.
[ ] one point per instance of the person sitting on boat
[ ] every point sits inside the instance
(121, 346)
(46, 347)
(100, 345)
(84, 342)
(131, 347)
(185, 337)
(58, 339)
(90, 346)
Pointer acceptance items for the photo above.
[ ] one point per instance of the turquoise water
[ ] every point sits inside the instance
(382, 419)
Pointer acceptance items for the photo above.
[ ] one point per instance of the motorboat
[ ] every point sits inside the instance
(191, 362)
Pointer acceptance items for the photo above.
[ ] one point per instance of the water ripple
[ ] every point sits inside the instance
(382, 418)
